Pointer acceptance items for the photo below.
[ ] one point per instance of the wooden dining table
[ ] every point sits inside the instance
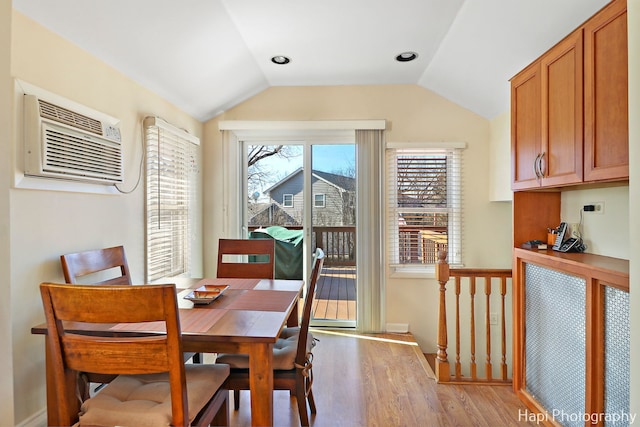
(247, 318)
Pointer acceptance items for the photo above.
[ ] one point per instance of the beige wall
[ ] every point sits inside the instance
(6, 354)
(500, 158)
(412, 114)
(604, 234)
(633, 16)
(46, 224)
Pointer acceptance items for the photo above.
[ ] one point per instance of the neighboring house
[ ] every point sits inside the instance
(333, 198)
(263, 214)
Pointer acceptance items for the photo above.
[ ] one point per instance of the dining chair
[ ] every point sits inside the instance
(292, 356)
(256, 250)
(153, 386)
(97, 264)
(86, 267)
(77, 266)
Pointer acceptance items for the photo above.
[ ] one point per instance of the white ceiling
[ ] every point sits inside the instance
(206, 56)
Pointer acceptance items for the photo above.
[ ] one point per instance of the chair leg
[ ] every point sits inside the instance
(302, 407)
(222, 416)
(236, 399)
(84, 387)
(312, 403)
(302, 400)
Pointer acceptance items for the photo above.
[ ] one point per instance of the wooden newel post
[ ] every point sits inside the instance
(442, 276)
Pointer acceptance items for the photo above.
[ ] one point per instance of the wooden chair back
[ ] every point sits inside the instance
(318, 262)
(110, 355)
(258, 269)
(80, 264)
(297, 379)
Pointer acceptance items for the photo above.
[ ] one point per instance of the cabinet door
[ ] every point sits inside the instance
(617, 351)
(606, 110)
(562, 106)
(555, 331)
(525, 128)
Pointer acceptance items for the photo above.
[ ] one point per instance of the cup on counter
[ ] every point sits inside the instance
(551, 238)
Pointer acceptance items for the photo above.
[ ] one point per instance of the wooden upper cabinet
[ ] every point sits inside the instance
(569, 109)
(606, 142)
(525, 128)
(546, 118)
(562, 124)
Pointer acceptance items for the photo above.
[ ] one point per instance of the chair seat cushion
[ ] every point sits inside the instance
(284, 352)
(145, 400)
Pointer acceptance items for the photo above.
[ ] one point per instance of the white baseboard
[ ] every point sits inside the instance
(400, 328)
(39, 419)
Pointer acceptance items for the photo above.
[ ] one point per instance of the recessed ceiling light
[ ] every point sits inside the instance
(280, 60)
(406, 56)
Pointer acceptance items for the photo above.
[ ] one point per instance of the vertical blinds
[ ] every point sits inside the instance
(171, 173)
(424, 205)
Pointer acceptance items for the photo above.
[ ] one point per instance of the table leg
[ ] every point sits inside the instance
(261, 383)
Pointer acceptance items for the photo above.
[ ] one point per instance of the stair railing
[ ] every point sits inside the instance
(471, 277)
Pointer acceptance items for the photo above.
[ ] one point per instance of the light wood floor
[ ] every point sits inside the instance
(384, 380)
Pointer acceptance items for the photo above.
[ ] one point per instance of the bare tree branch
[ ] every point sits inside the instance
(259, 152)
(257, 177)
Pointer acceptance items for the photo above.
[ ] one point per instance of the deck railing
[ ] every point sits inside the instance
(420, 244)
(465, 368)
(339, 243)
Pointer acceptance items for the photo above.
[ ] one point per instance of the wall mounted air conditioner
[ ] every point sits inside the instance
(66, 144)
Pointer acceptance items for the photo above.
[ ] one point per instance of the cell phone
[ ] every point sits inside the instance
(562, 230)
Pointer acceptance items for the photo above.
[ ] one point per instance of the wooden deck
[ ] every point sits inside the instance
(336, 294)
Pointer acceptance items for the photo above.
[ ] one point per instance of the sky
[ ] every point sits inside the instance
(333, 158)
(325, 158)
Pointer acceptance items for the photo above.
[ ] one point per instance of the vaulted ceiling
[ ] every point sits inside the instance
(206, 56)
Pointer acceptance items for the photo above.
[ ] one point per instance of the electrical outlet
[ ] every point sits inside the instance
(595, 207)
(599, 207)
(493, 318)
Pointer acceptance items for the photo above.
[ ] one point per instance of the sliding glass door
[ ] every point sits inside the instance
(303, 195)
(333, 226)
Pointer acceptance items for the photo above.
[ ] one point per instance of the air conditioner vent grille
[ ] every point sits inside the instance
(74, 154)
(68, 117)
(71, 142)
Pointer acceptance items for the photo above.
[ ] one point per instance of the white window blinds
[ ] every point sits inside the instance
(171, 181)
(424, 205)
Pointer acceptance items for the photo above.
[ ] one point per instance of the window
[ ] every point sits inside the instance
(423, 205)
(171, 181)
(287, 200)
(318, 201)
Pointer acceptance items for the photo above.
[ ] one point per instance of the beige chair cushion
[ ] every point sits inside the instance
(284, 352)
(145, 400)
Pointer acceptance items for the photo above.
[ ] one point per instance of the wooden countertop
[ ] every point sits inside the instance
(609, 270)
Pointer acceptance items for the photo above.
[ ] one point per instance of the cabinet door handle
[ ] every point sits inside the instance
(535, 166)
(540, 164)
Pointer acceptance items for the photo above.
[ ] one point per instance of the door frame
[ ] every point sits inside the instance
(371, 299)
(306, 142)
